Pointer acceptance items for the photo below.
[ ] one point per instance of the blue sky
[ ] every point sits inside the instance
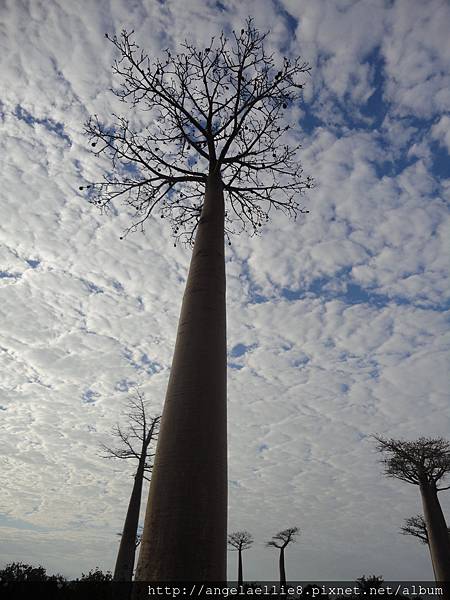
(337, 323)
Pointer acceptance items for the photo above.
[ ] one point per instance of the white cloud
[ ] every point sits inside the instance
(361, 347)
(441, 132)
(417, 50)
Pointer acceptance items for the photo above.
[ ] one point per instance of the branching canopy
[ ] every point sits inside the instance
(283, 538)
(220, 109)
(139, 435)
(240, 540)
(423, 461)
(416, 527)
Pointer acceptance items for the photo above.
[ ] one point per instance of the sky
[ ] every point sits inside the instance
(337, 323)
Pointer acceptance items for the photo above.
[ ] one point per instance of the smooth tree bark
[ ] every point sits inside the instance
(239, 541)
(240, 573)
(281, 540)
(416, 527)
(438, 540)
(123, 570)
(215, 124)
(424, 462)
(136, 444)
(282, 567)
(190, 513)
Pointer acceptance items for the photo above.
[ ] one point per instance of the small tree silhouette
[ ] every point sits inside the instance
(240, 540)
(416, 527)
(136, 443)
(424, 462)
(281, 540)
(96, 576)
(21, 572)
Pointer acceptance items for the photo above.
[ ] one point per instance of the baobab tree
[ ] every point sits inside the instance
(207, 127)
(424, 462)
(239, 541)
(136, 443)
(415, 527)
(281, 540)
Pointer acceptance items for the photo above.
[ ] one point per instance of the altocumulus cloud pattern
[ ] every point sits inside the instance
(337, 326)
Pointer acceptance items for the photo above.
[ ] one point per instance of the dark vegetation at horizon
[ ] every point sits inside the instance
(20, 573)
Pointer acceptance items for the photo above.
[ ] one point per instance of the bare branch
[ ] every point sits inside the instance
(240, 540)
(416, 527)
(284, 537)
(218, 109)
(425, 460)
(139, 437)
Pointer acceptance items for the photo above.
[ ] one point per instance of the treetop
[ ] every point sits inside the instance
(284, 537)
(214, 111)
(425, 460)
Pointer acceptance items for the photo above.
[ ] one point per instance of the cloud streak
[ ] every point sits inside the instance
(339, 322)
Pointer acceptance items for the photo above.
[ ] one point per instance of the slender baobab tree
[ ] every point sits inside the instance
(424, 462)
(207, 126)
(281, 540)
(239, 541)
(136, 442)
(415, 527)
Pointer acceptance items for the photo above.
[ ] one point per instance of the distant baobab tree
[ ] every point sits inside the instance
(207, 126)
(281, 540)
(136, 444)
(424, 462)
(415, 527)
(240, 540)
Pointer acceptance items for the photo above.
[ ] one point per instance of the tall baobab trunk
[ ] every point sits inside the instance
(282, 568)
(438, 538)
(184, 534)
(432, 563)
(429, 550)
(123, 570)
(240, 576)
